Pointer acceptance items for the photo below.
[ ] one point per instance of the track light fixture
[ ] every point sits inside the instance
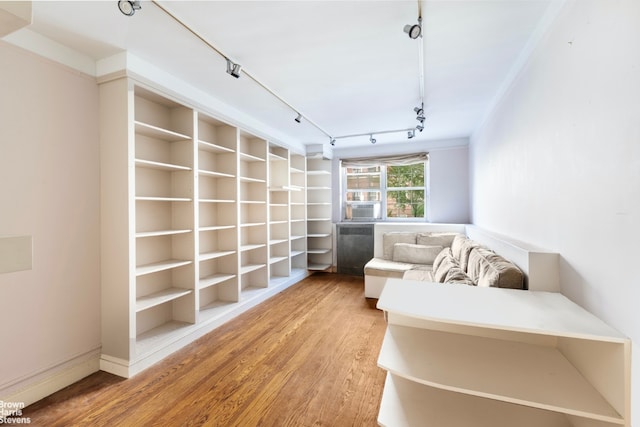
(420, 113)
(233, 68)
(129, 7)
(414, 31)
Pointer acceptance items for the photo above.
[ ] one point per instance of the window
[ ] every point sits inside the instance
(384, 188)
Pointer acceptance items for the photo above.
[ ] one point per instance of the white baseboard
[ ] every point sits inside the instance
(40, 385)
(128, 369)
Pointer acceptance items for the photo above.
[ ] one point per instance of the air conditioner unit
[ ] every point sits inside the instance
(363, 212)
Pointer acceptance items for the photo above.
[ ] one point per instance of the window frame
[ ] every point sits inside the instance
(383, 190)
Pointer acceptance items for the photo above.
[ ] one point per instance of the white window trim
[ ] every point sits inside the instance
(383, 195)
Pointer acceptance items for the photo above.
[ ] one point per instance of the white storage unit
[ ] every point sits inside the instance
(319, 225)
(196, 224)
(298, 212)
(279, 210)
(217, 217)
(460, 355)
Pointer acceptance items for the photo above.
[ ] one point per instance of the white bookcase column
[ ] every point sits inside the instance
(253, 214)
(218, 283)
(164, 218)
(196, 223)
(319, 225)
(298, 212)
(279, 235)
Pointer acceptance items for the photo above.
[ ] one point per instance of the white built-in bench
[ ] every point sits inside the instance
(540, 267)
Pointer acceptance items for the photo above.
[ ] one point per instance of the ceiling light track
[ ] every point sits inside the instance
(421, 61)
(235, 69)
(332, 140)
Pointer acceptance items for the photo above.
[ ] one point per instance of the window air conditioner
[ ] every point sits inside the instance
(363, 212)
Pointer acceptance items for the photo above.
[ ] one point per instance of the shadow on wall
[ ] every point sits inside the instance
(574, 286)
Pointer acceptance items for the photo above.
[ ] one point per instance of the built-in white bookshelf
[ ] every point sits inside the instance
(279, 202)
(218, 283)
(503, 357)
(318, 206)
(197, 223)
(253, 156)
(163, 177)
(298, 212)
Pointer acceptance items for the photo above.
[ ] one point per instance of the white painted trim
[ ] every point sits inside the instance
(40, 385)
(152, 75)
(553, 10)
(401, 147)
(186, 93)
(125, 369)
(43, 46)
(114, 365)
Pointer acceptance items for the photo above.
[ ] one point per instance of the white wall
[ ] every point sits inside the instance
(448, 176)
(49, 189)
(558, 162)
(449, 185)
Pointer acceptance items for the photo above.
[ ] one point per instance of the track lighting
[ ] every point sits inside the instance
(372, 139)
(299, 118)
(420, 113)
(414, 31)
(233, 68)
(129, 7)
(332, 141)
(420, 127)
(411, 134)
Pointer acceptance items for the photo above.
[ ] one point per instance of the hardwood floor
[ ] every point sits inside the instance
(306, 357)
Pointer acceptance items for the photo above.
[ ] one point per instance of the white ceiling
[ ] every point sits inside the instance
(346, 65)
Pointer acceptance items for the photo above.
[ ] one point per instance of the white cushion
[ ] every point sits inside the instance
(415, 254)
(391, 238)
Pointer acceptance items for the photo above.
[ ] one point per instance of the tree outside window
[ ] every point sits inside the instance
(405, 191)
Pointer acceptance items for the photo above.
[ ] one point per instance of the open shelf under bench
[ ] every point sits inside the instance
(522, 352)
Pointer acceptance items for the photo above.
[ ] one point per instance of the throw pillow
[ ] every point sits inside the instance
(436, 239)
(415, 254)
(488, 269)
(447, 263)
(391, 238)
(456, 275)
(442, 255)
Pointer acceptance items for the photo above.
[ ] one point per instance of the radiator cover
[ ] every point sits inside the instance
(354, 247)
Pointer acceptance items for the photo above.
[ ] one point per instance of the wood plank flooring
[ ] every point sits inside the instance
(306, 357)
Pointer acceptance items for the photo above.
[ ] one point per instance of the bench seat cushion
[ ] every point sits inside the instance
(386, 268)
(421, 274)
